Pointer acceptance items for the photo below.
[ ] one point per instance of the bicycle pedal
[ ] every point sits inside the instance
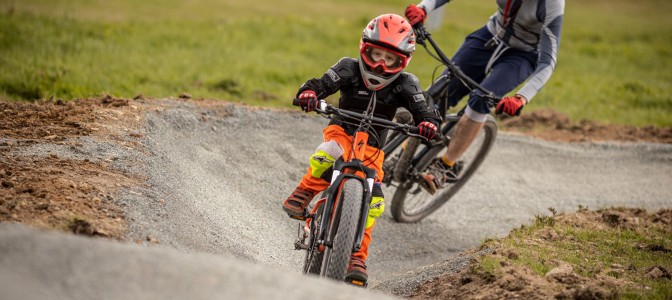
(298, 245)
(425, 186)
(357, 283)
(300, 218)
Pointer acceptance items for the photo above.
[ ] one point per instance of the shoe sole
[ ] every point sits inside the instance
(293, 213)
(357, 278)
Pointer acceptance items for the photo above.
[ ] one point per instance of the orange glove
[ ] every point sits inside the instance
(415, 14)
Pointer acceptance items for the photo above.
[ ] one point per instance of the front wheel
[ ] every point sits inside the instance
(343, 231)
(313, 262)
(411, 203)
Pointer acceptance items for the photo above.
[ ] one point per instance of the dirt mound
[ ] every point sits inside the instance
(552, 125)
(563, 281)
(48, 191)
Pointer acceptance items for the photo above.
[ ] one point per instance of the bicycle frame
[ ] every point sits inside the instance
(330, 210)
(407, 167)
(398, 139)
(422, 36)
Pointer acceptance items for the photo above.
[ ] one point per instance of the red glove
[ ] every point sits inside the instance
(427, 129)
(308, 101)
(510, 106)
(415, 14)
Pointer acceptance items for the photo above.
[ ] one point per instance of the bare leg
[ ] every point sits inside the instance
(465, 131)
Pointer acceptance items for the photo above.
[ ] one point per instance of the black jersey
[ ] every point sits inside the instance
(403, 92)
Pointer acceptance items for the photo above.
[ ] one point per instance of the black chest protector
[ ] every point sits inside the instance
(356, 97)
(344, 77)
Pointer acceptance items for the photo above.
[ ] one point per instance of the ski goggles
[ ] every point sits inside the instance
(381, 58)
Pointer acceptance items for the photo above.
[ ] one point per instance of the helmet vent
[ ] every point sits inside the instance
(385, 24)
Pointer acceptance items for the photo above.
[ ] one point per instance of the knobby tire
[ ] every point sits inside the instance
(337, 257)
(404, 163)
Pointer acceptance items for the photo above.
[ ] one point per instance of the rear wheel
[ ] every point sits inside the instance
(343, 231)
(411, 203)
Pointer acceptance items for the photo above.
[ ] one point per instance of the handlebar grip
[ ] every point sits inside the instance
(416, 131)
(295, 102)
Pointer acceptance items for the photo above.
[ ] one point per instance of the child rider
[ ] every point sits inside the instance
(385, 48)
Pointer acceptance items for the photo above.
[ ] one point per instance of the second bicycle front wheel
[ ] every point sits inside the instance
(411, 203)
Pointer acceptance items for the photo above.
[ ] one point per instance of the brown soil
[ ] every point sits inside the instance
(551, 125)
(54, 192)
(47, 191)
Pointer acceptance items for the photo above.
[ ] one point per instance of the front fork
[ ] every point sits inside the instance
(331, 206)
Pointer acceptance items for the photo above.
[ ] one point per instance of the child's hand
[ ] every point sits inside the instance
(308, 101)
(427, 129)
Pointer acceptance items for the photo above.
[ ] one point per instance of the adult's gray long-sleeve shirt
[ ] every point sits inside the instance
(536, 27)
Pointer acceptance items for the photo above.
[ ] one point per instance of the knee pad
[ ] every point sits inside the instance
(478, 103)
(324, 157)
(377, 206)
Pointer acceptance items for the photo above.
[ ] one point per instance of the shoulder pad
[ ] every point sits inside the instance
(346, 68)
(408, 83)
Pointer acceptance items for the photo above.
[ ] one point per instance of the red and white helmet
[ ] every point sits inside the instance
(386, 47)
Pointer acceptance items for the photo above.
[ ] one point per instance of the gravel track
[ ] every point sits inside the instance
(216, 176)
(223, 179)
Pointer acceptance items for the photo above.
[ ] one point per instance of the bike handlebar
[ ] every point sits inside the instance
(325, 108)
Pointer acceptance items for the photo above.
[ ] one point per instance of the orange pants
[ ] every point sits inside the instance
(374, 158)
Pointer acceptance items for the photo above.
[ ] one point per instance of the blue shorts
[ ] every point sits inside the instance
(508, 71)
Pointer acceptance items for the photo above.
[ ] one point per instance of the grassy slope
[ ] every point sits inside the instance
(613, 63)
(618, 244)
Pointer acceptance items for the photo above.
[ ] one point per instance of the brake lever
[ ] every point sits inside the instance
(422, 138)
(420, 34)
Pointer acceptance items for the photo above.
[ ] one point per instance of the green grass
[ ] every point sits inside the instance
(613, 66)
